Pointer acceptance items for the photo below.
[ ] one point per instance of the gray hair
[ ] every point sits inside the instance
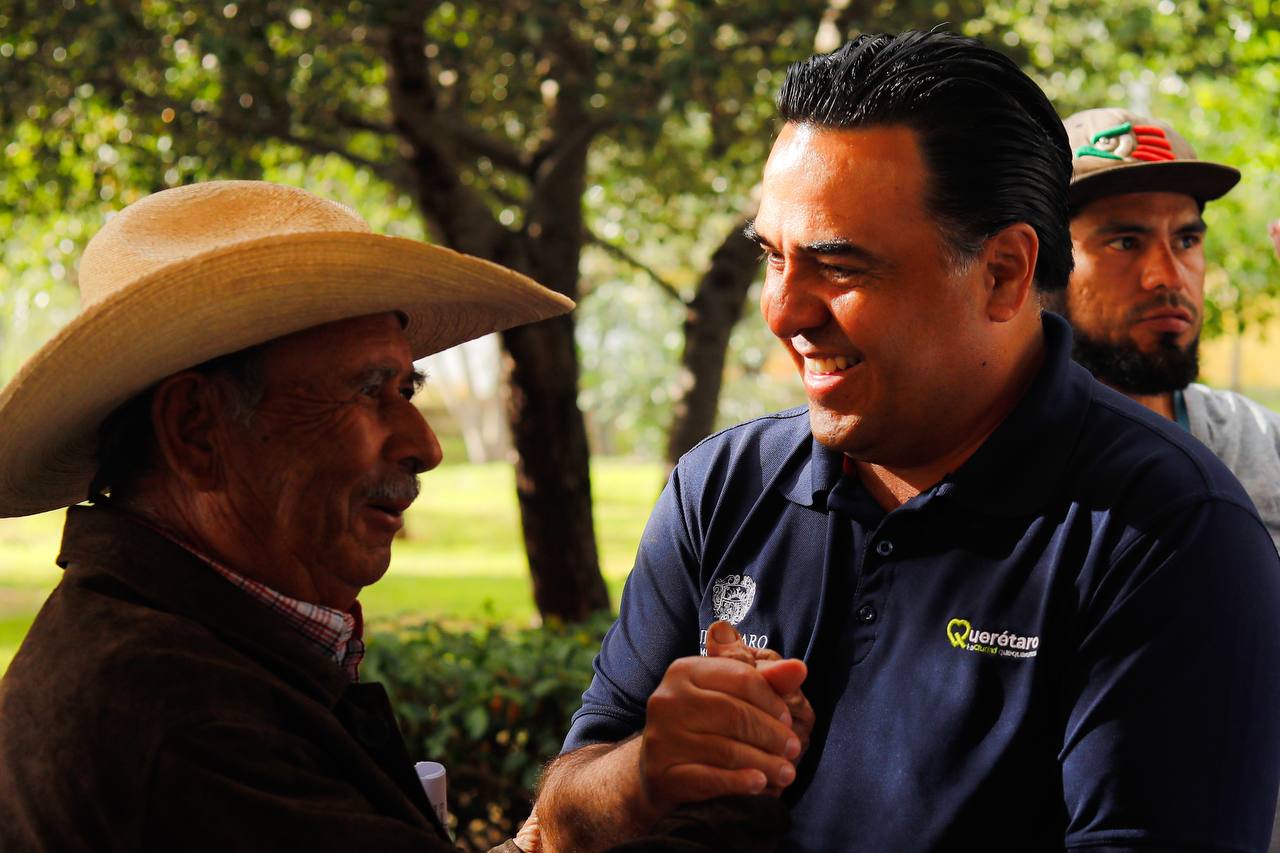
(126, 439)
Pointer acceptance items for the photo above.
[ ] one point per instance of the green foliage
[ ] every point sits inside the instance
(490, 703)
(1213, 71)
(101, 102)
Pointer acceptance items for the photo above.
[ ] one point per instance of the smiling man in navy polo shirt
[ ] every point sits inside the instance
(1035, 616)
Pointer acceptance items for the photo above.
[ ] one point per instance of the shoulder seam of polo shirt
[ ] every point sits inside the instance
(785, 414)
(1211, 490)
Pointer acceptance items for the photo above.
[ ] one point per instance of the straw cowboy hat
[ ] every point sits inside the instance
(204, 270)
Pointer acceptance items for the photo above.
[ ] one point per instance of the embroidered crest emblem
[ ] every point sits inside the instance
(731, 597)
(1129, 142)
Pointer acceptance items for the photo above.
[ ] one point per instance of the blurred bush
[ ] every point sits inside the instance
(491, 702)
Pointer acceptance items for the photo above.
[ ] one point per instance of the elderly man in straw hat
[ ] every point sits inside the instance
(234, 401)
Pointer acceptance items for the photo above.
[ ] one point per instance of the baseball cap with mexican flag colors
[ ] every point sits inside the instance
(1114, 151)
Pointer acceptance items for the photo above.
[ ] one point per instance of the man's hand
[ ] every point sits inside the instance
(1274, 230)
(714, 726)
(724, 641)
(529, 838)
(718, 727)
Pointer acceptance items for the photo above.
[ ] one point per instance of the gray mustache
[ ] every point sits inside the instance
(398, 488)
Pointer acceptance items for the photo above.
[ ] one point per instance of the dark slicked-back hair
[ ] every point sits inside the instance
(995, 149)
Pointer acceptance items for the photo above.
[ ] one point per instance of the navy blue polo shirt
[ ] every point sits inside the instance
(1071, 641)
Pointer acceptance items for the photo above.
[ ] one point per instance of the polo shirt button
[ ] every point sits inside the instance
(867, 613)
(884, 548)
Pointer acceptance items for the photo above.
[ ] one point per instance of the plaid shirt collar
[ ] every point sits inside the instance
(337, 635)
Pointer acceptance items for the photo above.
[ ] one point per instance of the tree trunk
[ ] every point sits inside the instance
(553, 479)
(553, 482)
(553, 474)
(709, 321)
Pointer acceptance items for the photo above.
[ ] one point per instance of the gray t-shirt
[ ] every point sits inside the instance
(1246, 436)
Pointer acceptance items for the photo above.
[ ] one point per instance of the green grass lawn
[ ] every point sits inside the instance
(463, 557)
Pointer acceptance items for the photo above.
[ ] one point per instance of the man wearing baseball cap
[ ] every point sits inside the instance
(234, 401)
(1136, 297)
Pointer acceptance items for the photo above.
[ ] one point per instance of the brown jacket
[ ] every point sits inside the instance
(154, 706)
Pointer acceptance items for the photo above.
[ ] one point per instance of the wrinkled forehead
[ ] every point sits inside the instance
(384, 324)
(373, 337)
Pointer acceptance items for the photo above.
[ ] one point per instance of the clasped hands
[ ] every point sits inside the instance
(734, 722)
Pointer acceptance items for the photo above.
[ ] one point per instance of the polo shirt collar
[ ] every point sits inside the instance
(1015, 470)
(811, 475)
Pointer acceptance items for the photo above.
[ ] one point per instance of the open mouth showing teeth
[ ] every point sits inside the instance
(835, 364)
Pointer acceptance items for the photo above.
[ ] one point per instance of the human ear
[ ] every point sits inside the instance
(185, 414)
(1009, 263)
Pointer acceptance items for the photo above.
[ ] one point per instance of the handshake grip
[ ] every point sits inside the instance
(734, 722)
(724, 641)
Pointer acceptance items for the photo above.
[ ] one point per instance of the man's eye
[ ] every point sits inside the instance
(371, 390)
(1123, 243)
(774, 259)
(840, 273)
(407, 392)
(1190, 241)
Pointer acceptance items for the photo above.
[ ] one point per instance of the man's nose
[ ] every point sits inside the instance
(413, 445)
(790, 303)
(1162, 270)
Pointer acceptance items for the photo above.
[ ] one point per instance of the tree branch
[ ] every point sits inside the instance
(322, 148)
(627, 258)
(351, 121)
(458, 210)
(552, 153)
(505, 196)
(500, 153)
